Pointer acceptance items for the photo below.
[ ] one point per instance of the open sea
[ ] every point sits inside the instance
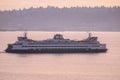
(76, 66)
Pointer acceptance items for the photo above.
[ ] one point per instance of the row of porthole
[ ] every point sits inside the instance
(59, 46)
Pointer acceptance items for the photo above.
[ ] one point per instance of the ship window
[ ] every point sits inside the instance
(18, 44)
(58, 46)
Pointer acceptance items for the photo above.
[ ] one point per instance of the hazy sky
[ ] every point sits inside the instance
(16, 4)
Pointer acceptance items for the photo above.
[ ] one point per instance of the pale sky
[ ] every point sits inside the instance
(16, 4)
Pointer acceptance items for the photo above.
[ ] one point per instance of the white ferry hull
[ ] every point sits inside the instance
(56, 45)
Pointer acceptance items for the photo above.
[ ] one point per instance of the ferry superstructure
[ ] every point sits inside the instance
(57, 44)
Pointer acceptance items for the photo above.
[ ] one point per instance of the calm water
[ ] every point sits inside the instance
(102, 66)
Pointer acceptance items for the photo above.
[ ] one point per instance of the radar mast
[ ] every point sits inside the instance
(25, 34)
(89, 35)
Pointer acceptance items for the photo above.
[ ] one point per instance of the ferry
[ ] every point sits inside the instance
(57, 44)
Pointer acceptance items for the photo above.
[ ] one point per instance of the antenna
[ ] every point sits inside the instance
(25, 34)
(89, 34)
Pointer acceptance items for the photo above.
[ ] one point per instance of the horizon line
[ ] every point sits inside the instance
(102, 6)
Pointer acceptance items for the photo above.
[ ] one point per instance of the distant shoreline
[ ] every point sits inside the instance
(61, 19)
(48, 7)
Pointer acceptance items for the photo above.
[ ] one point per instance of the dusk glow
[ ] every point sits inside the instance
(20, 4)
